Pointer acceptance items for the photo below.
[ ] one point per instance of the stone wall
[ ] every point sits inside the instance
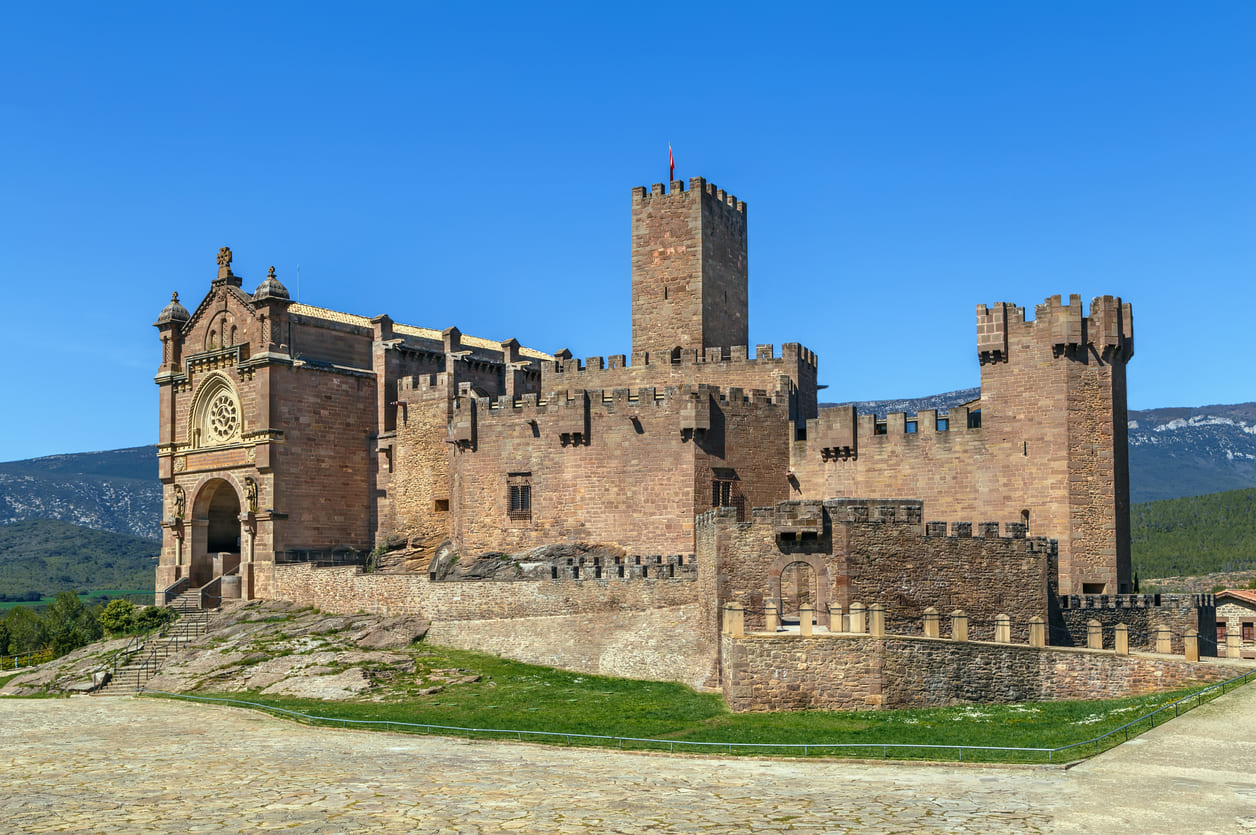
(794, 372)
(345, 589)
(1142, 613)
(851, 672)
(644, 628)
(874, 551)
(628, 468)
(664, 644)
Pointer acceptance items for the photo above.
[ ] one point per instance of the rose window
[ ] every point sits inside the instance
(222, 419)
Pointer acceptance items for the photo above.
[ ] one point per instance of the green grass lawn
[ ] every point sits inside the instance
(512, 696)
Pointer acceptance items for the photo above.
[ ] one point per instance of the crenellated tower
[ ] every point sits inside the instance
(689, 269)
(1053, 390)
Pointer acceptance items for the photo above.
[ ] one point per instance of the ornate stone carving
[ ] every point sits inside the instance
(180, 464)
(180, 502)
(250, 494)
(216, 417)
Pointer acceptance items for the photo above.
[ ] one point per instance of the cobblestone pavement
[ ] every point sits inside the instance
(130, 765)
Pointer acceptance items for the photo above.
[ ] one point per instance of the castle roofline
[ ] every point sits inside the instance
(407, 330)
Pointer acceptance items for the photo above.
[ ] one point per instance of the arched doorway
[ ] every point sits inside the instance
(797, 580)
(798, 589)
(215, 530)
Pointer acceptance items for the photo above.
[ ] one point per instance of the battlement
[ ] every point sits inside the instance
(619, 398)
(697, 185)
(1108, 329)
(633, 567)
(1137, 601)
(838, 431)
(739, 355)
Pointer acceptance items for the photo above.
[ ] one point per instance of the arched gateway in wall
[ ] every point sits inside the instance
(797, 580)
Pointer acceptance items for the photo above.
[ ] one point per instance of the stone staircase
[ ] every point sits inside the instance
(146, 659)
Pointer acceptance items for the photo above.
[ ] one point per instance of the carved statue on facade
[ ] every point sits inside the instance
(250, 494)
(180, 502)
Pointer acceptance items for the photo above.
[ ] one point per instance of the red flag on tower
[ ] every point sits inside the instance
(671, 163)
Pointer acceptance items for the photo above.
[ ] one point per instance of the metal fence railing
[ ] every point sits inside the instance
(1052, 754)
(26, 659)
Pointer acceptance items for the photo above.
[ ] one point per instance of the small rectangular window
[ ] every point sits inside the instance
(974, 419)
(943, 424)
(1249, 629)
(519, 495)
(909, 427)
(881, 428)
(441, 506)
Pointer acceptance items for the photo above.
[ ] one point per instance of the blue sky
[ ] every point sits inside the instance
(473, 165)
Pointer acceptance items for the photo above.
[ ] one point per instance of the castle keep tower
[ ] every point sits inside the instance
(689, 268)
(1053, 390)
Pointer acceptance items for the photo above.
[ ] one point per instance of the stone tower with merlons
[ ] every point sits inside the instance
(689, 269)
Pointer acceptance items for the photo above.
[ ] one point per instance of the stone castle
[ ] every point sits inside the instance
(602, 513)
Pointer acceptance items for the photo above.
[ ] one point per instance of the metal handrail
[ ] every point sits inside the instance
(806, 748)
(31, 658)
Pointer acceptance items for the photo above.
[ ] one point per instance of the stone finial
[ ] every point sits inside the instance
(224, 262)
(876, 620)
(1094, 634)
(270, 271)
(1164, 638)
(1037, 631)
(1002, 629)
(959, 625)
(932, 623)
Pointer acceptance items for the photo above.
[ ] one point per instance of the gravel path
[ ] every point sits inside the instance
(130, 765)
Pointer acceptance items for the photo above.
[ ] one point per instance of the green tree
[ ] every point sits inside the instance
(70, 624)
(4, 638)
(118, 618)
(27, 631)
(153, 617)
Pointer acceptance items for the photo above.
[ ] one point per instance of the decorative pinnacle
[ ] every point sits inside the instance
(270, 272)
(224, 262)
(174, 297)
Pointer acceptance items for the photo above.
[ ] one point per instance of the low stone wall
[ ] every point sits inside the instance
(657, 644)
(345, 589)
(641, 628)
(763, 672)
(1141, 613)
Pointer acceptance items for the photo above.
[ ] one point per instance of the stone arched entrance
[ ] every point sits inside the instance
(215, 531)
(797, 580)
(798, 588)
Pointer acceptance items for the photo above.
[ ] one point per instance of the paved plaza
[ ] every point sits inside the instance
(129, 765)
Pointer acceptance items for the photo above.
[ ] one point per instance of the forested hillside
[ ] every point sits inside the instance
(50, 556)
(1195, 535)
